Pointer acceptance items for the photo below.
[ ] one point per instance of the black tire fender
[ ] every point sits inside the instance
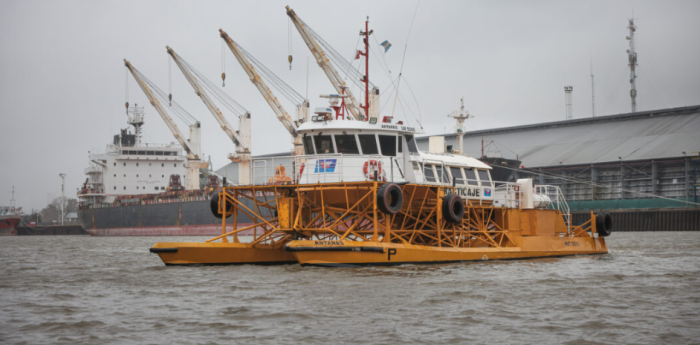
(390, 198)
(214, 205)
(603, 224)
(453, 208)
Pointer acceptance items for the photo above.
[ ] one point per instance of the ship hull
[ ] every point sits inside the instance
(348, 253)
(8, 226)
(195, 253)
(193, 218)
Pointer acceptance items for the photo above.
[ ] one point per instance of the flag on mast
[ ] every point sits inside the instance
(386, 45)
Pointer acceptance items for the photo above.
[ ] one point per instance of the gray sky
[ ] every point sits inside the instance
(62, 80)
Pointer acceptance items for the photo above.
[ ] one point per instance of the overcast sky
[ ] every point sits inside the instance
(62, 79)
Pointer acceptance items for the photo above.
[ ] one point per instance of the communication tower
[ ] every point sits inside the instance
(632, 57)
(567, 98)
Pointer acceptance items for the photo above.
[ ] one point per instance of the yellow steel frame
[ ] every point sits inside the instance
(349, 211)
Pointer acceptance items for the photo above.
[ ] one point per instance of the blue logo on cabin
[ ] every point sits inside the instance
(487, 191)
(325, 166)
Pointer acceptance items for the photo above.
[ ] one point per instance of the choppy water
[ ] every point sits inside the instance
(87, 290)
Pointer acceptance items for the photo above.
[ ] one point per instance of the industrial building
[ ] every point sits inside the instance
(644, 161)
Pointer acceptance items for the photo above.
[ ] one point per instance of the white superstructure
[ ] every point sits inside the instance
(130, 167)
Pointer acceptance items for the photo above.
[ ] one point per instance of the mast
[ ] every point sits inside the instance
(282, 115)
(241, 141)
(461, 115)
(190, 146)
(632, 58)
(357, 113)
(365, 79)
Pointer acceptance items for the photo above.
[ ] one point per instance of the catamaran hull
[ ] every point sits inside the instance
(347, 253)
(197, 253)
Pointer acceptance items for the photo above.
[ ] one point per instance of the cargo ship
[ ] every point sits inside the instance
(137, 189)
(10, 216)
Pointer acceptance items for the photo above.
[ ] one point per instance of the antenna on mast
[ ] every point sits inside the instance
(632, 57)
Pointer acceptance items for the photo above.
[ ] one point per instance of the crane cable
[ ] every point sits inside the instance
(403, 59)
(289, 41)
(126, 90)
(219, 94)
(223, 65)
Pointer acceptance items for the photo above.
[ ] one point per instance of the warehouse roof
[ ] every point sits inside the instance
(645, 135)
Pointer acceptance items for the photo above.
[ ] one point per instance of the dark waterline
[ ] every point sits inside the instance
(87, 290)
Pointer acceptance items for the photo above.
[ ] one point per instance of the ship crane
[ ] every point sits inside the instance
(323, 61)
(282, 115)
(241, 138)
(191, 146)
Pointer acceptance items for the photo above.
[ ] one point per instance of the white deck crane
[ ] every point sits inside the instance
(340, 86)
(241, 138)
(282, 115)
(191, 146)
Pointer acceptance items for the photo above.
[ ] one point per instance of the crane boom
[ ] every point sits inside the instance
(255, 78)
(324, 63)
(242, 146)
(192, 149)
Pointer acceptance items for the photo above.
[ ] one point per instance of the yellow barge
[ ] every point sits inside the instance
(382, 223)
(361, 193)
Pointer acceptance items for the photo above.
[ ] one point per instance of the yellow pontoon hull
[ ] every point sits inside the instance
(196, 253)
(350, 253)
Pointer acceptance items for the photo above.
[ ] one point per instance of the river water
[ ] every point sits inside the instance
(90, 290)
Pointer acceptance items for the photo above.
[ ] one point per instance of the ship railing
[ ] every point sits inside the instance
(93, 169)
(147, 201)
(557, 201)
(328, 168)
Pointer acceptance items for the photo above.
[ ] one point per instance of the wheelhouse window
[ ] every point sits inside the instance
(388, 145)
(324, 144)
(347, 144)
(441, 174)
(400, 140)
(411, 143)
(308, 145)
(484, 177)
(368, 143)
(428, 173)
(457, 175)
(471, 177)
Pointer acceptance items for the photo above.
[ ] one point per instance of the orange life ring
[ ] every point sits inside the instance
(370, 167)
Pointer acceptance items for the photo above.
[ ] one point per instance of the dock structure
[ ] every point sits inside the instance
(643, 163)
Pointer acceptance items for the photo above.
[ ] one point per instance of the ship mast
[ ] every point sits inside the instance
(461, 115)
(365, 79)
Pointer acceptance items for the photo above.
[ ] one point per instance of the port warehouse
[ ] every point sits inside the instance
(641, 167)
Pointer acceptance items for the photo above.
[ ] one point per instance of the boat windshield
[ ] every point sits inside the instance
(346, 144)
(471, 177)
(369, 144)
(457, 175)
(388, 145)
(484, 177)
(324, 144)
(411, 143)
(308, 145)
